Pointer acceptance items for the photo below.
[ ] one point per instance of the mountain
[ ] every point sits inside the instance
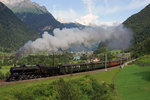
(74, 25)
(140, 25)
(13, 32)
(39, 19)
(34, 15)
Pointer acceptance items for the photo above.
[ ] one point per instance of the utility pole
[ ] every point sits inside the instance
(130, 56)
(53, 59)
(121, 57)
(105, 62)
(121, 61)
(127, 54)
(71, 64)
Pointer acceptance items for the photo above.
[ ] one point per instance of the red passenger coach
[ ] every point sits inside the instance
(114, 63)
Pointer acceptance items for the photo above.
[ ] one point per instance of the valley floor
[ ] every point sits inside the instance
(133, 83)
(7, 92)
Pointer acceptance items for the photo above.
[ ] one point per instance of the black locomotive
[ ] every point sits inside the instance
(32, 72)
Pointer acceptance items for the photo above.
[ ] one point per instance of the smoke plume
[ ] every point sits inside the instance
(119, 35)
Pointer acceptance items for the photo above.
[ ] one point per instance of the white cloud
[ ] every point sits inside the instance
(134, 4)
(90, 5)
(95, 8)
(89, 19)
(93, 20)
(110, 9)
(99, 8)
(106, 2)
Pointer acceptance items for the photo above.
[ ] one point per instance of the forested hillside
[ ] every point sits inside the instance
(13, 32)
(140, 25)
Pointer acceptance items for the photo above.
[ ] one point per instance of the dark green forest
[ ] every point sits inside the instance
(13, 32)
(140, 25)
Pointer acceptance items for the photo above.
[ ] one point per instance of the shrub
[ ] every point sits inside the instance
(94, 90)
(112, 86)
(65, 90)
(85, 88)
(7, 74)
(2, 76)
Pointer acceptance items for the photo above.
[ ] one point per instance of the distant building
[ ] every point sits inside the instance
(77, 58)
(96, 60)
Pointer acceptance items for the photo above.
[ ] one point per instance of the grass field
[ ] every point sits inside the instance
(133, 83)
(8, 91)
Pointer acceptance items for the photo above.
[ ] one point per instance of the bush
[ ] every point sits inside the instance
(84, 88)
(2, 76)
(95, 91)
(64, 90)
(7, 74)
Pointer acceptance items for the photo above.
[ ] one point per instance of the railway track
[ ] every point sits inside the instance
(4, 83)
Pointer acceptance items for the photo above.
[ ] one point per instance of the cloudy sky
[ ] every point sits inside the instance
(97, 11)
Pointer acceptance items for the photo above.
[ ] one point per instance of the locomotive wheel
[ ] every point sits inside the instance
(35, 76)
(28, 76)
(11, 78)
(23, 77)
(38, 76)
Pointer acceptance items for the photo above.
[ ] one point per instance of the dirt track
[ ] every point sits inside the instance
(4, 83)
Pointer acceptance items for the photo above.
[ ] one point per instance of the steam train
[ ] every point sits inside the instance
(38, 71)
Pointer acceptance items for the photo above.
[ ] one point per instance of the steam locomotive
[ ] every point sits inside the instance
(24, 73)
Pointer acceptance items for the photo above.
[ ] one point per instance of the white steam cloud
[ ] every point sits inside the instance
(65, 38)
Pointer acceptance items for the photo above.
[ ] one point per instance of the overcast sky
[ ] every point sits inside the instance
(87, 11)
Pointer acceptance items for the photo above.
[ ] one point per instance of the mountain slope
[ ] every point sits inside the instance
(74, 25)
(140, 25)
(34, 15)
(13, 32)
(40, 22)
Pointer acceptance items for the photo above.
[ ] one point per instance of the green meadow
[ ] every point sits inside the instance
(133, 82)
